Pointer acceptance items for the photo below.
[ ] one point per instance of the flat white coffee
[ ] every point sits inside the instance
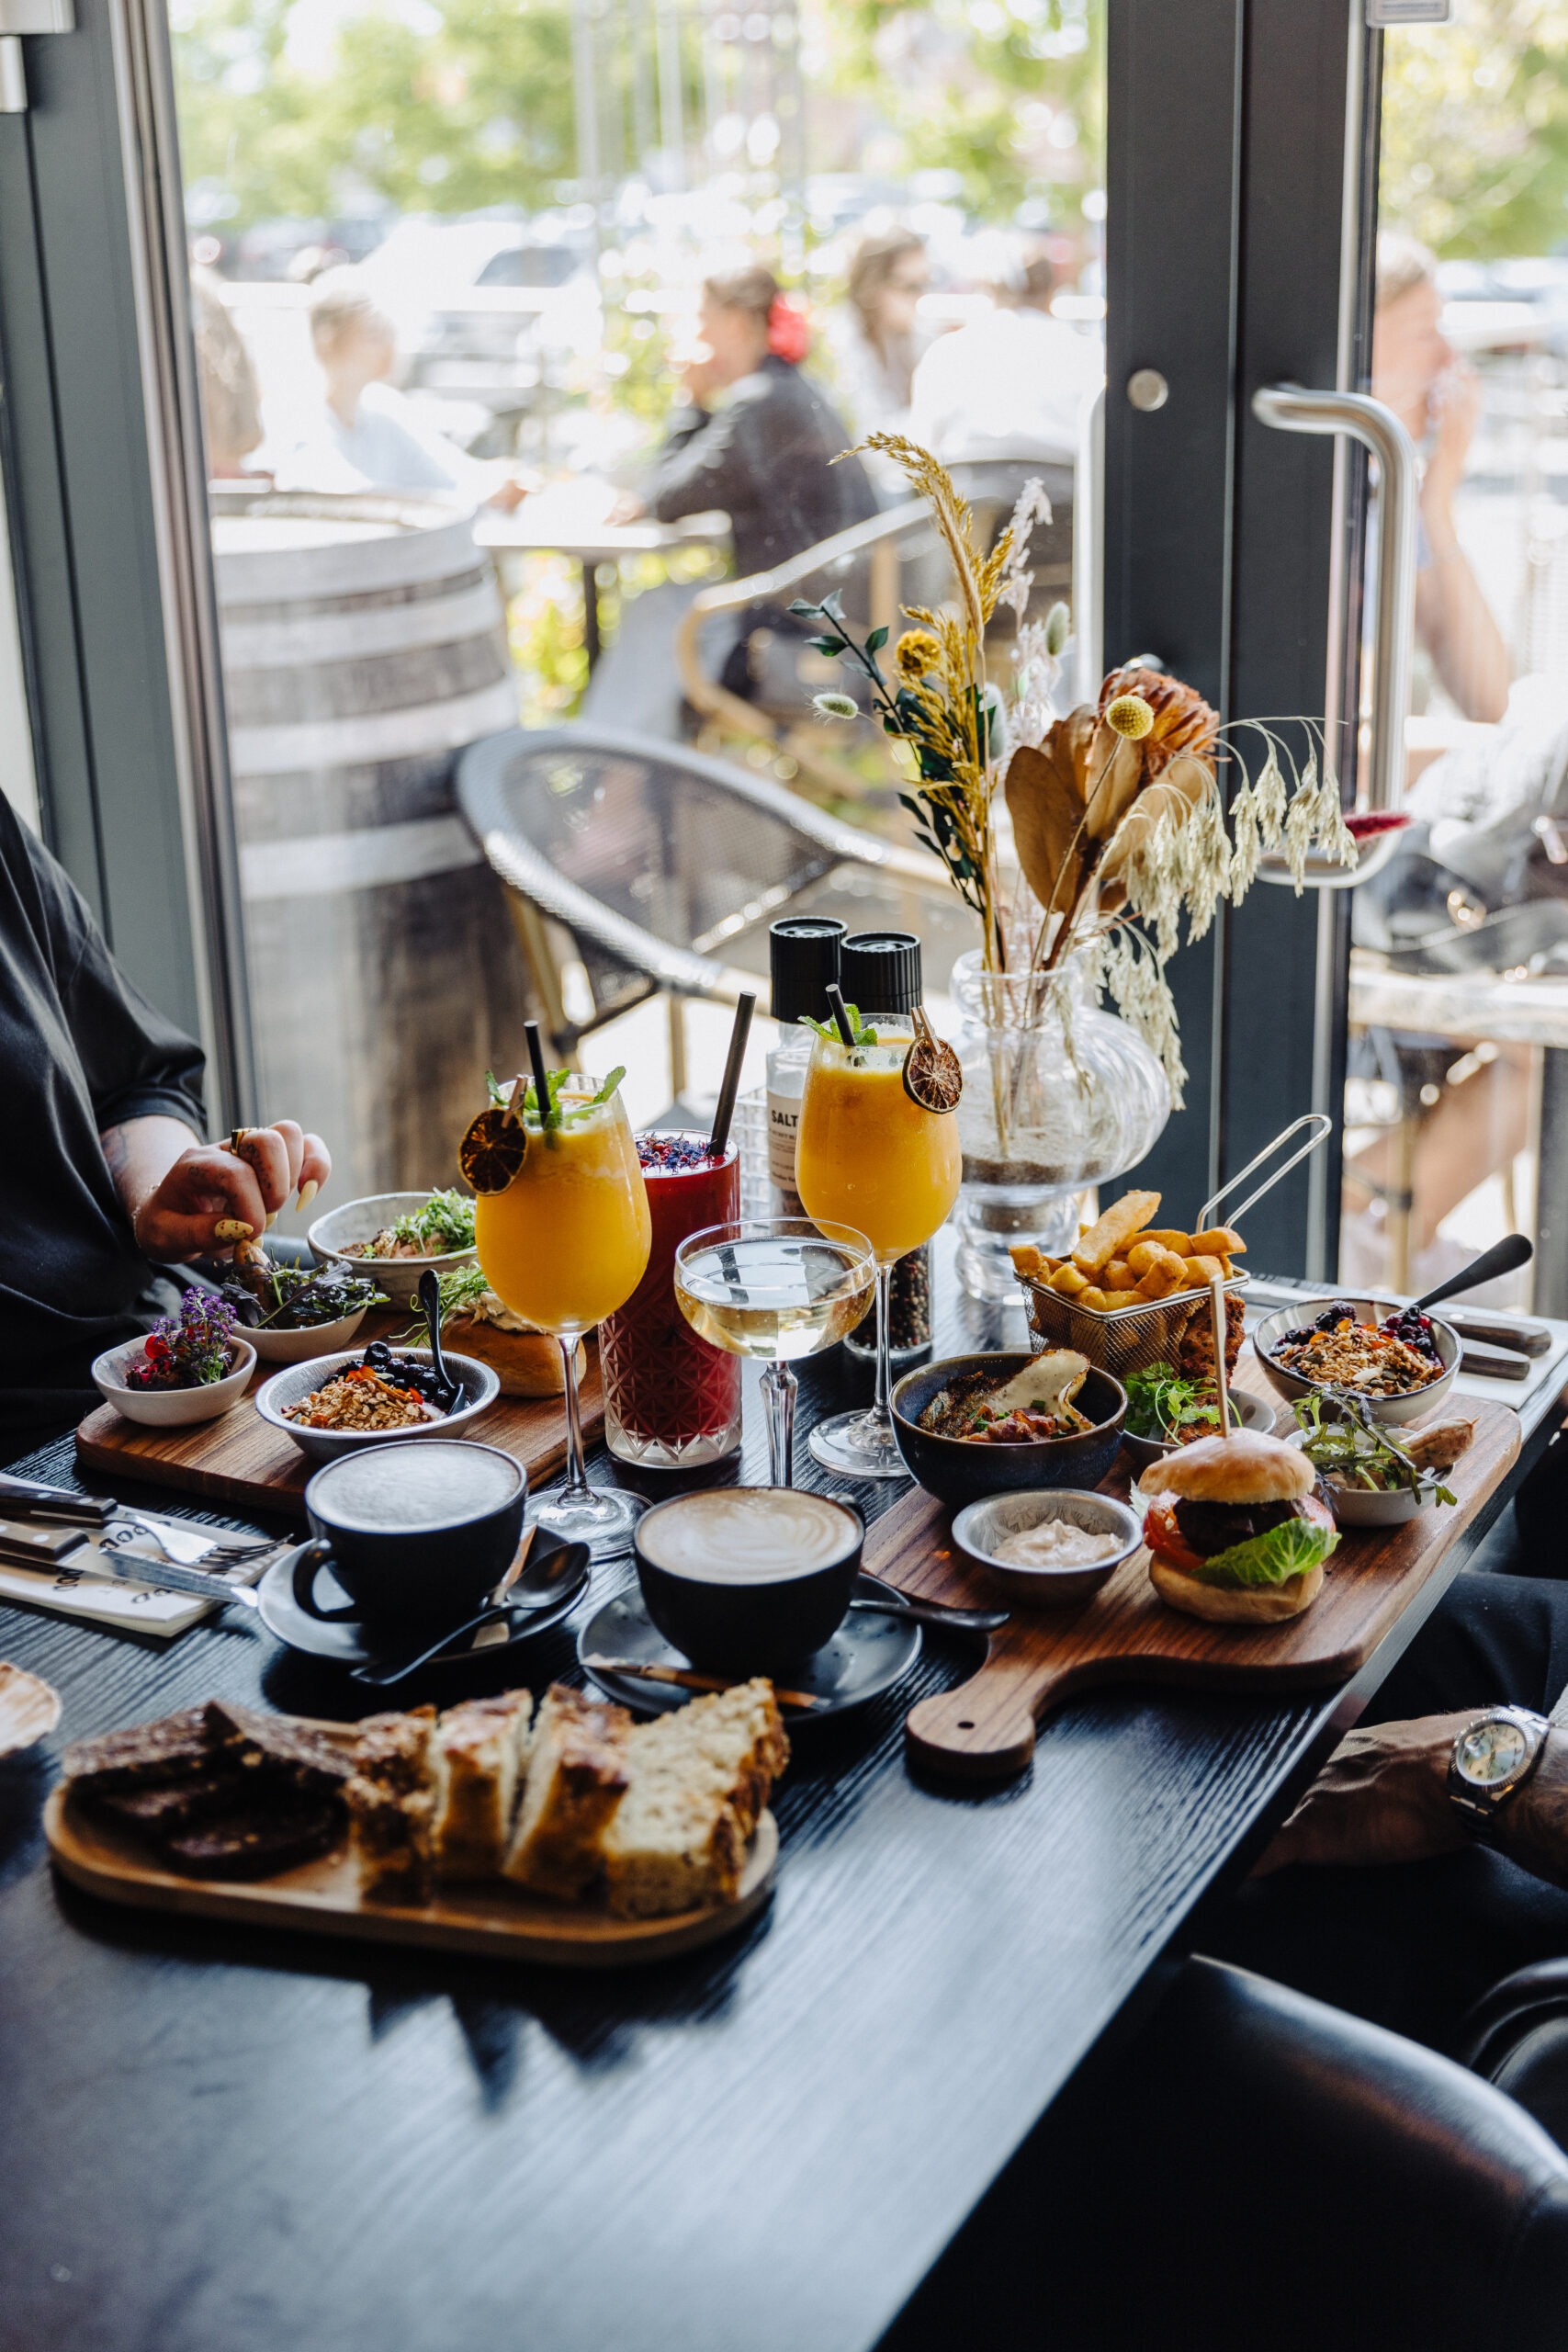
(747, 1535)
(433, 1484)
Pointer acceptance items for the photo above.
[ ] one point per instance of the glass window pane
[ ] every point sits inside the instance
(1460, 974)
(521, 326)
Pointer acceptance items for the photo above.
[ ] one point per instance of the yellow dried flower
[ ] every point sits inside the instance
(1131, 716)
(916, 654)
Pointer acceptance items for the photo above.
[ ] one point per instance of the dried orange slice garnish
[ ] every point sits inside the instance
(493, 1150)
(932, 1074)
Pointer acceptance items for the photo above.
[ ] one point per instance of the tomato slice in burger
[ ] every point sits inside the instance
(1162, 1534)
(1313, 1507)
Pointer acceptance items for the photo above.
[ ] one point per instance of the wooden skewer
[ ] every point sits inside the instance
(1222, 1377)
(686, 1678)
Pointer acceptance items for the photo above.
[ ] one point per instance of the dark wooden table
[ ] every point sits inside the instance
(214, 2145)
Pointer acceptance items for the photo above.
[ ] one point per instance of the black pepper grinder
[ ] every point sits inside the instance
(879, 973)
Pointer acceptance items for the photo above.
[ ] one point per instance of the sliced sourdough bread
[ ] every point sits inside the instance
(576, 1779)
(699, 1780)
(477, 1757)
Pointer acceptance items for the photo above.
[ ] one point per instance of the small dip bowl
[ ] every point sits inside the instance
(170, 1409)
(332, 1235)
(480, 1383)
(1372, 1506)
(275, 1345)
(982, 1525)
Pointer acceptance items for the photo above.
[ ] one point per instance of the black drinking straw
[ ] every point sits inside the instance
(836, 1006)
(725, 1109)
(541, 1076)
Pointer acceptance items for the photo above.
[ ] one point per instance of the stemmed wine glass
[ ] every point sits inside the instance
(775, 1288)
(563, 1246)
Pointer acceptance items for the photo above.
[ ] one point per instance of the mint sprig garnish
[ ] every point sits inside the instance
(861, 1031)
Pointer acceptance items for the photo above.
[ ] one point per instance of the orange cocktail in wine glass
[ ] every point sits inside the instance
(563, 1242)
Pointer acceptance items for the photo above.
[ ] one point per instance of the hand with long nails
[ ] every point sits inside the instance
(218, 1195)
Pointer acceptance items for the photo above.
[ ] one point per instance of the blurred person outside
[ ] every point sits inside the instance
(876, 340)
(1436, 397)
(367, 435)
(226, 384)
(756, 436)
(1012, 382)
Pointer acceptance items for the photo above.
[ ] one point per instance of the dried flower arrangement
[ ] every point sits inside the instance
(1118, 822)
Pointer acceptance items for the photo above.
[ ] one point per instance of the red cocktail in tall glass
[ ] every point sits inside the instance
(670, 1400)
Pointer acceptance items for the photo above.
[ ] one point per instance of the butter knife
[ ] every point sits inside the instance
(135, 1567)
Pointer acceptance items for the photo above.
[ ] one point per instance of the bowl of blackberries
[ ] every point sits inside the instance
(339, 1403)
(292, 1314)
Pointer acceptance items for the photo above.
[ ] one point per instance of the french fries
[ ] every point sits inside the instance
(1107, 1236)
(1122, 1261)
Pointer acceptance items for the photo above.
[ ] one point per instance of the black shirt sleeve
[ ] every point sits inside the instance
(703, 464)
(136, 1063)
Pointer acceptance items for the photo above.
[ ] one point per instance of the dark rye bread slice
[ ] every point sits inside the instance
(186, 1745)
(255, 1841)
(277, 1749)
(176, 1804)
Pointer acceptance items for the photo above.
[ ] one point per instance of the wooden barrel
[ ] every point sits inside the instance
(363, 649)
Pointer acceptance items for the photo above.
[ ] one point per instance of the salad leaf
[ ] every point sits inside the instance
(1347, 1445)
(1161, 1403)
(859, 1031)
(447, 1217)
(1273, 1558)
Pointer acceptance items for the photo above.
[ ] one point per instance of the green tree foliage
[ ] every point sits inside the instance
(1475, 129)
(1010, 94)
(468, 104)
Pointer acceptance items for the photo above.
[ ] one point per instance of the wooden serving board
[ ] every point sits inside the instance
(1124, 1633)
(322, 1898)
(241, 1458)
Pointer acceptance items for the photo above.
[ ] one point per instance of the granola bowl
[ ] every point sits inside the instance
(480, 1383)
(1412, 1405)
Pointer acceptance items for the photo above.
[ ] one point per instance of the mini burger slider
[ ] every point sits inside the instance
(1235, 1529)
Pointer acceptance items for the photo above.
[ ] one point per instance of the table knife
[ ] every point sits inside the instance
(135, 1567)
(36, 1501)
(1525, 1339)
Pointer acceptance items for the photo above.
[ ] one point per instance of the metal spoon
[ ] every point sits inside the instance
(430, 1300)
(937, 1612)
(1501, 1258)
(532, 1587)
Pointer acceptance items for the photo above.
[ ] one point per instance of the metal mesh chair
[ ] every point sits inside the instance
(635, 867)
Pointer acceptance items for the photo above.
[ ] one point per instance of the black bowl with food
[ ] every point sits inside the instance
(993, 1455)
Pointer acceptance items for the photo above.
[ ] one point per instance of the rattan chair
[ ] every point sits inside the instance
(635, 867)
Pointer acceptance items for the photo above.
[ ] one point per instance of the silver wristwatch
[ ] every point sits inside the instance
(1492, 1757)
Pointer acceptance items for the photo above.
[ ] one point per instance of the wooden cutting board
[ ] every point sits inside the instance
(240, 1459)
(1124, 1633)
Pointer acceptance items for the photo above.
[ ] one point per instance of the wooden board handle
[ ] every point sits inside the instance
(973, 1731)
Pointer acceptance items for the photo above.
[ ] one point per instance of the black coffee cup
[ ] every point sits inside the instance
(748, 1605)
(416, 1535)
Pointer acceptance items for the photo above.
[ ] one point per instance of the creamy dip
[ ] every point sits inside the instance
(1053, 1544)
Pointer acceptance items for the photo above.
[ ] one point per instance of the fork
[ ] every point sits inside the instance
(185, 1551)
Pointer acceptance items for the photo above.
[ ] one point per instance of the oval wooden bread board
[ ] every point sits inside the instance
(1125, 1634)
(322, 1898)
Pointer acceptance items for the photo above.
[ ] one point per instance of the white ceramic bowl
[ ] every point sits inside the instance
(1366, 1507)
(1255, 1412)
(275, 1345)
(361, 1221)
(481, 1386)
(172, 1409)
(1413, 1408)
(980, 1526)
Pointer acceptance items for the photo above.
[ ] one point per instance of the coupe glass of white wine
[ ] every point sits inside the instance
(775, 1288)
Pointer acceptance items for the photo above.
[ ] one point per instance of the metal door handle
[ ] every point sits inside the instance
(18, 16)
(1290, 409)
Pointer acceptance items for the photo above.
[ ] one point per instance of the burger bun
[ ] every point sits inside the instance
(1246, 1467)
(1230, 1605)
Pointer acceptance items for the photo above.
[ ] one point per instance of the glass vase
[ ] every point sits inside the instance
(1058, 1095)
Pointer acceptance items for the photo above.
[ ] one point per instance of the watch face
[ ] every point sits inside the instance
(1492, 1752)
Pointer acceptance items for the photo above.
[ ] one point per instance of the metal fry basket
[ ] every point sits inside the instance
(1130, 1337)
(1127, 1339)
